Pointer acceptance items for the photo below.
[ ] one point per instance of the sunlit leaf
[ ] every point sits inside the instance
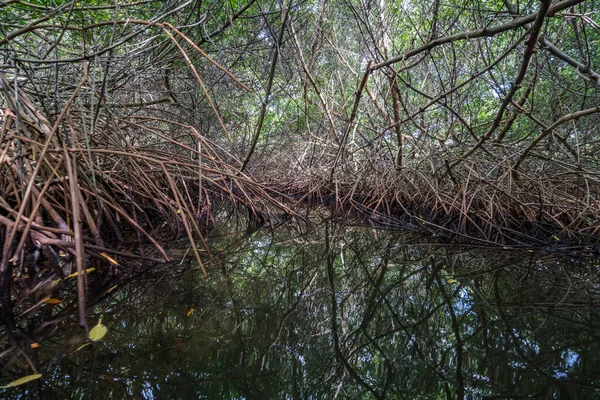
(50, 300)
(22, 380)
(98, 332)
(451, 281)
(110, 259)
(75, 273)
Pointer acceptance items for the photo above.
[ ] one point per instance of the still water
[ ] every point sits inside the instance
(340, 312)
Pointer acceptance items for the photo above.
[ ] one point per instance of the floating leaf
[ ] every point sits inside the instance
(50, 300)
(75, 273)
(110, 259)
(190, 312)
(98, 332)
(22, 380)
(451, 281)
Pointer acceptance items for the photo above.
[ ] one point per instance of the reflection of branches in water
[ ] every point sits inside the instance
(334, 328)
(337, 313)
(390, 313)
(461, 323)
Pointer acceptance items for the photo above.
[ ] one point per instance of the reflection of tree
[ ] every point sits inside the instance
(338, 314)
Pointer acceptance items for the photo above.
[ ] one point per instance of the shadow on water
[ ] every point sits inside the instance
(342, 312)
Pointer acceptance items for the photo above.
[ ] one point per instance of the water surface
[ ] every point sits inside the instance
(341, 312)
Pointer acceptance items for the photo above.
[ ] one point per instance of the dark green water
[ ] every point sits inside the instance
(341, 312)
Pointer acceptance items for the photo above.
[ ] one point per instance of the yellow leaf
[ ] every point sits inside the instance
(98, 332)
(451, 281)
(112, 288)
(109, 258)
(50, 300)
(75, 273)
(22, 380)
(82, 346)
(190, 312)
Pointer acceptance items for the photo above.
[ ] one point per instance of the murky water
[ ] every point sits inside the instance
(341, 312)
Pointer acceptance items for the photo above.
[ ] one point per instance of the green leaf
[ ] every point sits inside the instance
(22, 380)
(98, 332)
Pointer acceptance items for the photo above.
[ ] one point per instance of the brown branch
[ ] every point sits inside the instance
(358, 93)
(265, 103)
(226, 24)
(529, 50)
(547, 131)
(584, 70)
(312, 81)
(486, 32)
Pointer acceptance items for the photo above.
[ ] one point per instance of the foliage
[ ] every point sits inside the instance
(470, 120)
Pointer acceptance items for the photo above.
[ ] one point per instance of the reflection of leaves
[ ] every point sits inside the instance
(98, 332)
(22, 380)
